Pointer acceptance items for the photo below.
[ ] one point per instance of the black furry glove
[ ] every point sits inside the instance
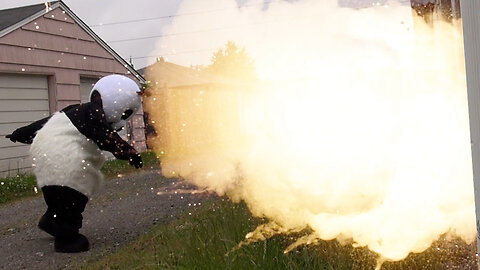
(9, 136)
(17, 136)
(27, 133)
(136, 160)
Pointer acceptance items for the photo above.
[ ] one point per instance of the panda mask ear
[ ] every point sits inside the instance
(96, 98)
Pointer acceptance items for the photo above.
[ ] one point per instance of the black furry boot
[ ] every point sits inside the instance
(63, 218)
(46, 222)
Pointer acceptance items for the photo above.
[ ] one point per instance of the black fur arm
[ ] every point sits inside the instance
(27, 133)
(108, 140)
(90, 120)
(114, 144)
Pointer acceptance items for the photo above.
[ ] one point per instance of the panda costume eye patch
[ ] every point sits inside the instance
(126, 114)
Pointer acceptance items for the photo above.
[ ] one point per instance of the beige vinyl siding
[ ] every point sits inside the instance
(23, 100)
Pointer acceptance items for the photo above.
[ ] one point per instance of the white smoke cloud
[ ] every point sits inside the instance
(361, 132)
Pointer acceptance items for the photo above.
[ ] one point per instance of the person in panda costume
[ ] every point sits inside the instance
(67, 154)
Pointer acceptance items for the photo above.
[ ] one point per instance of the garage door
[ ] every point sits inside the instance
(23, 99)
(86, 85)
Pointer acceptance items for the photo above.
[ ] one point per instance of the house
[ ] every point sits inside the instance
(49, 58)
(180, 101)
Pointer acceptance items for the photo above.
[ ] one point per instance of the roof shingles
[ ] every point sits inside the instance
(11, 16)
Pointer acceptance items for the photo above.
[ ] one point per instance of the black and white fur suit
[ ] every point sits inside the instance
(67, 155)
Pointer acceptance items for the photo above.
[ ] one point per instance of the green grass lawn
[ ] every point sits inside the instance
(23, 185)
(20, 186)
(204, 238)
(112, 168)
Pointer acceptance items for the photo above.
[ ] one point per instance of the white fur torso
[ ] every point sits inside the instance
(65, 157)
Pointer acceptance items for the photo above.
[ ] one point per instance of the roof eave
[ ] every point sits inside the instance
(102, 43)
(84, 27)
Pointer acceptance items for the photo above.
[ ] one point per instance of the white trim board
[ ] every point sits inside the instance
(470, 10)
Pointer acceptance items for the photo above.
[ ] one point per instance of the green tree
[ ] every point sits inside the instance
(233, 62)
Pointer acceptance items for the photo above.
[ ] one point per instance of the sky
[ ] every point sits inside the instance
(142, 41)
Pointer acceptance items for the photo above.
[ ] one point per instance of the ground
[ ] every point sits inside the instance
(125, 208)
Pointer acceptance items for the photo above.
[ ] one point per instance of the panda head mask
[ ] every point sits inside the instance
(120, 99)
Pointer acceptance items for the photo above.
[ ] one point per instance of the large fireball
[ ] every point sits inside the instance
(358, 128)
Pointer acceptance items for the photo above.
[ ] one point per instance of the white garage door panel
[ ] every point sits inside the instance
(23, 100)
(22, 117)
(7, 143)
(7, 105)
(17, 151)
(11, 167)
(22, 94)
(23, 81)
(8, 128)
